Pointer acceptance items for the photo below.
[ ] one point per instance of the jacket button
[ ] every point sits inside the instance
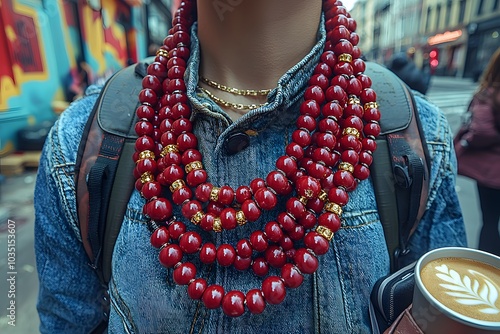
(237, 142)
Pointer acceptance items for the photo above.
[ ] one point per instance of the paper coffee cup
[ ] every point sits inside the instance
(457, 291)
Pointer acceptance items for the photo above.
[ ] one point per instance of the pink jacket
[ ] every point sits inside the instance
(478, 146)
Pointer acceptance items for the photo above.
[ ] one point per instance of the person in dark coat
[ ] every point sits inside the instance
(404, 67)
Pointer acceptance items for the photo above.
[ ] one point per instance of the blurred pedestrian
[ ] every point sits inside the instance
(404, 67)
(477, 145)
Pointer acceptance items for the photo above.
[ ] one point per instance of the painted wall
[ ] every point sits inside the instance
(40, 45)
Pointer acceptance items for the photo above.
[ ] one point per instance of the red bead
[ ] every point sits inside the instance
(273, 289)
(190, 208)
(361, 172)
(355, 87)
(336, 93)
(338, 196)
(350, 156)
(365, 80)
(182, 37)
(196, 288)
(344, 179)
(371, 129)
(212, 297)
(311, 108)
(338, 33)
(256, 184)
(176, 85)
(365, 158)
(286, 221)
(306, 122)
(286, 164)
(191, 155)
(319, 80)
(176, 72)
(333, 109)
(275, 256)
(260, 267)
(202, 192)
(265, 199)
(226, 255)
(242, 263)
(228, 218)
(244, 248)
(170, 255)
(309, 220)
(160, 237)
(181, 195)
(327, 140)
(214, 208)
(181, 125)
(176, 229)
(190, 242)
(344, 68)
(291, 276)
(369, 144)
(329, 58)
(301, 137)
(318, 170)
(295, 207)
(207, 222)
(323, 69)
(314, 93)
(148, 96)
(278, 182)
(171, 158)
(273, 232)
(233, 303)
(258, 241)
(294, 150)
(208, 253)
(159, 209)
(145, 112)
(286, 243)
(305, 261)
(343, 46)
(372, 115)
(152, 82)
(350, 142)
(143, 128)
(186, 141)
(242, 194)
(297, 233)
(176, 61)
(196, 177)
(226, 195)
(323, 156)
(151, 189)
(184, 274)
(317, 243)
(251, 211)
(168, 138)
(255, 301)
(329, 125)
(368, 95)
(158, 70)
(329, 220)
(358, 66)
(340, 80)
(173, 173)
(144, 143)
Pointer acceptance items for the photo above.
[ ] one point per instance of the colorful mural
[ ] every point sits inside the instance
(50, 50)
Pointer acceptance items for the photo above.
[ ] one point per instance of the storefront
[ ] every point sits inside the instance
(484, 39)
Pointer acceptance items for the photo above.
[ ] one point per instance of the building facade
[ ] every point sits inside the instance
(452, 37)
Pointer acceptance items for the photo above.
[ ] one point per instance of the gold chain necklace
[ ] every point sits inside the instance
(238, 107)
(237, 91)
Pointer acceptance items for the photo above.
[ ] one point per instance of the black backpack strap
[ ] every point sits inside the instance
(400, 163)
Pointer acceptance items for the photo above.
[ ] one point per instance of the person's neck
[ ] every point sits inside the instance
(252, 43)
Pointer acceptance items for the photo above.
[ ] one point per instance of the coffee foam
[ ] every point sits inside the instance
(466, 286)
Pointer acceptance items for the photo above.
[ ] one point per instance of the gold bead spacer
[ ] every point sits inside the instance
(351, 131)
(323, 196)
(198, 216)
(146, 155)
(370, 105)
(147, 177)
(240, 218)
(217, 225)
(162, 52)
(195, 165)
(177, 184)
(347, 167)
(334, 208)
(345, 57)
(214, 194)
(303, 200)
(325, 232)
(168, 149)
(354, 100)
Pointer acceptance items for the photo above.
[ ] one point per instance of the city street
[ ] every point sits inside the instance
(16, 205)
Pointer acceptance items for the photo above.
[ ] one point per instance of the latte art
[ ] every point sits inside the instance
(466, 286)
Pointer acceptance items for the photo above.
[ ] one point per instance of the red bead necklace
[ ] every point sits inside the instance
(330, 152)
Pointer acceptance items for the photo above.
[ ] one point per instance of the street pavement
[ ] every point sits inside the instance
(16, 204)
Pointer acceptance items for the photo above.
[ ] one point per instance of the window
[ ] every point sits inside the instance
(480, 7)
(427, 19)
(448, 13)
(461, 14)
(438, 16)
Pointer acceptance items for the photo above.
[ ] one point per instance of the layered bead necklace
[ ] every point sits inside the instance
(329, 153)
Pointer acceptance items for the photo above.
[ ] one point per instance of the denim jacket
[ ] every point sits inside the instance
(144, 298)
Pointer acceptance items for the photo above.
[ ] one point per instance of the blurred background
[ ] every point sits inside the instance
(50, 50)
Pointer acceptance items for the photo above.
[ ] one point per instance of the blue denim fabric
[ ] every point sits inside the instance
(144, 298)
